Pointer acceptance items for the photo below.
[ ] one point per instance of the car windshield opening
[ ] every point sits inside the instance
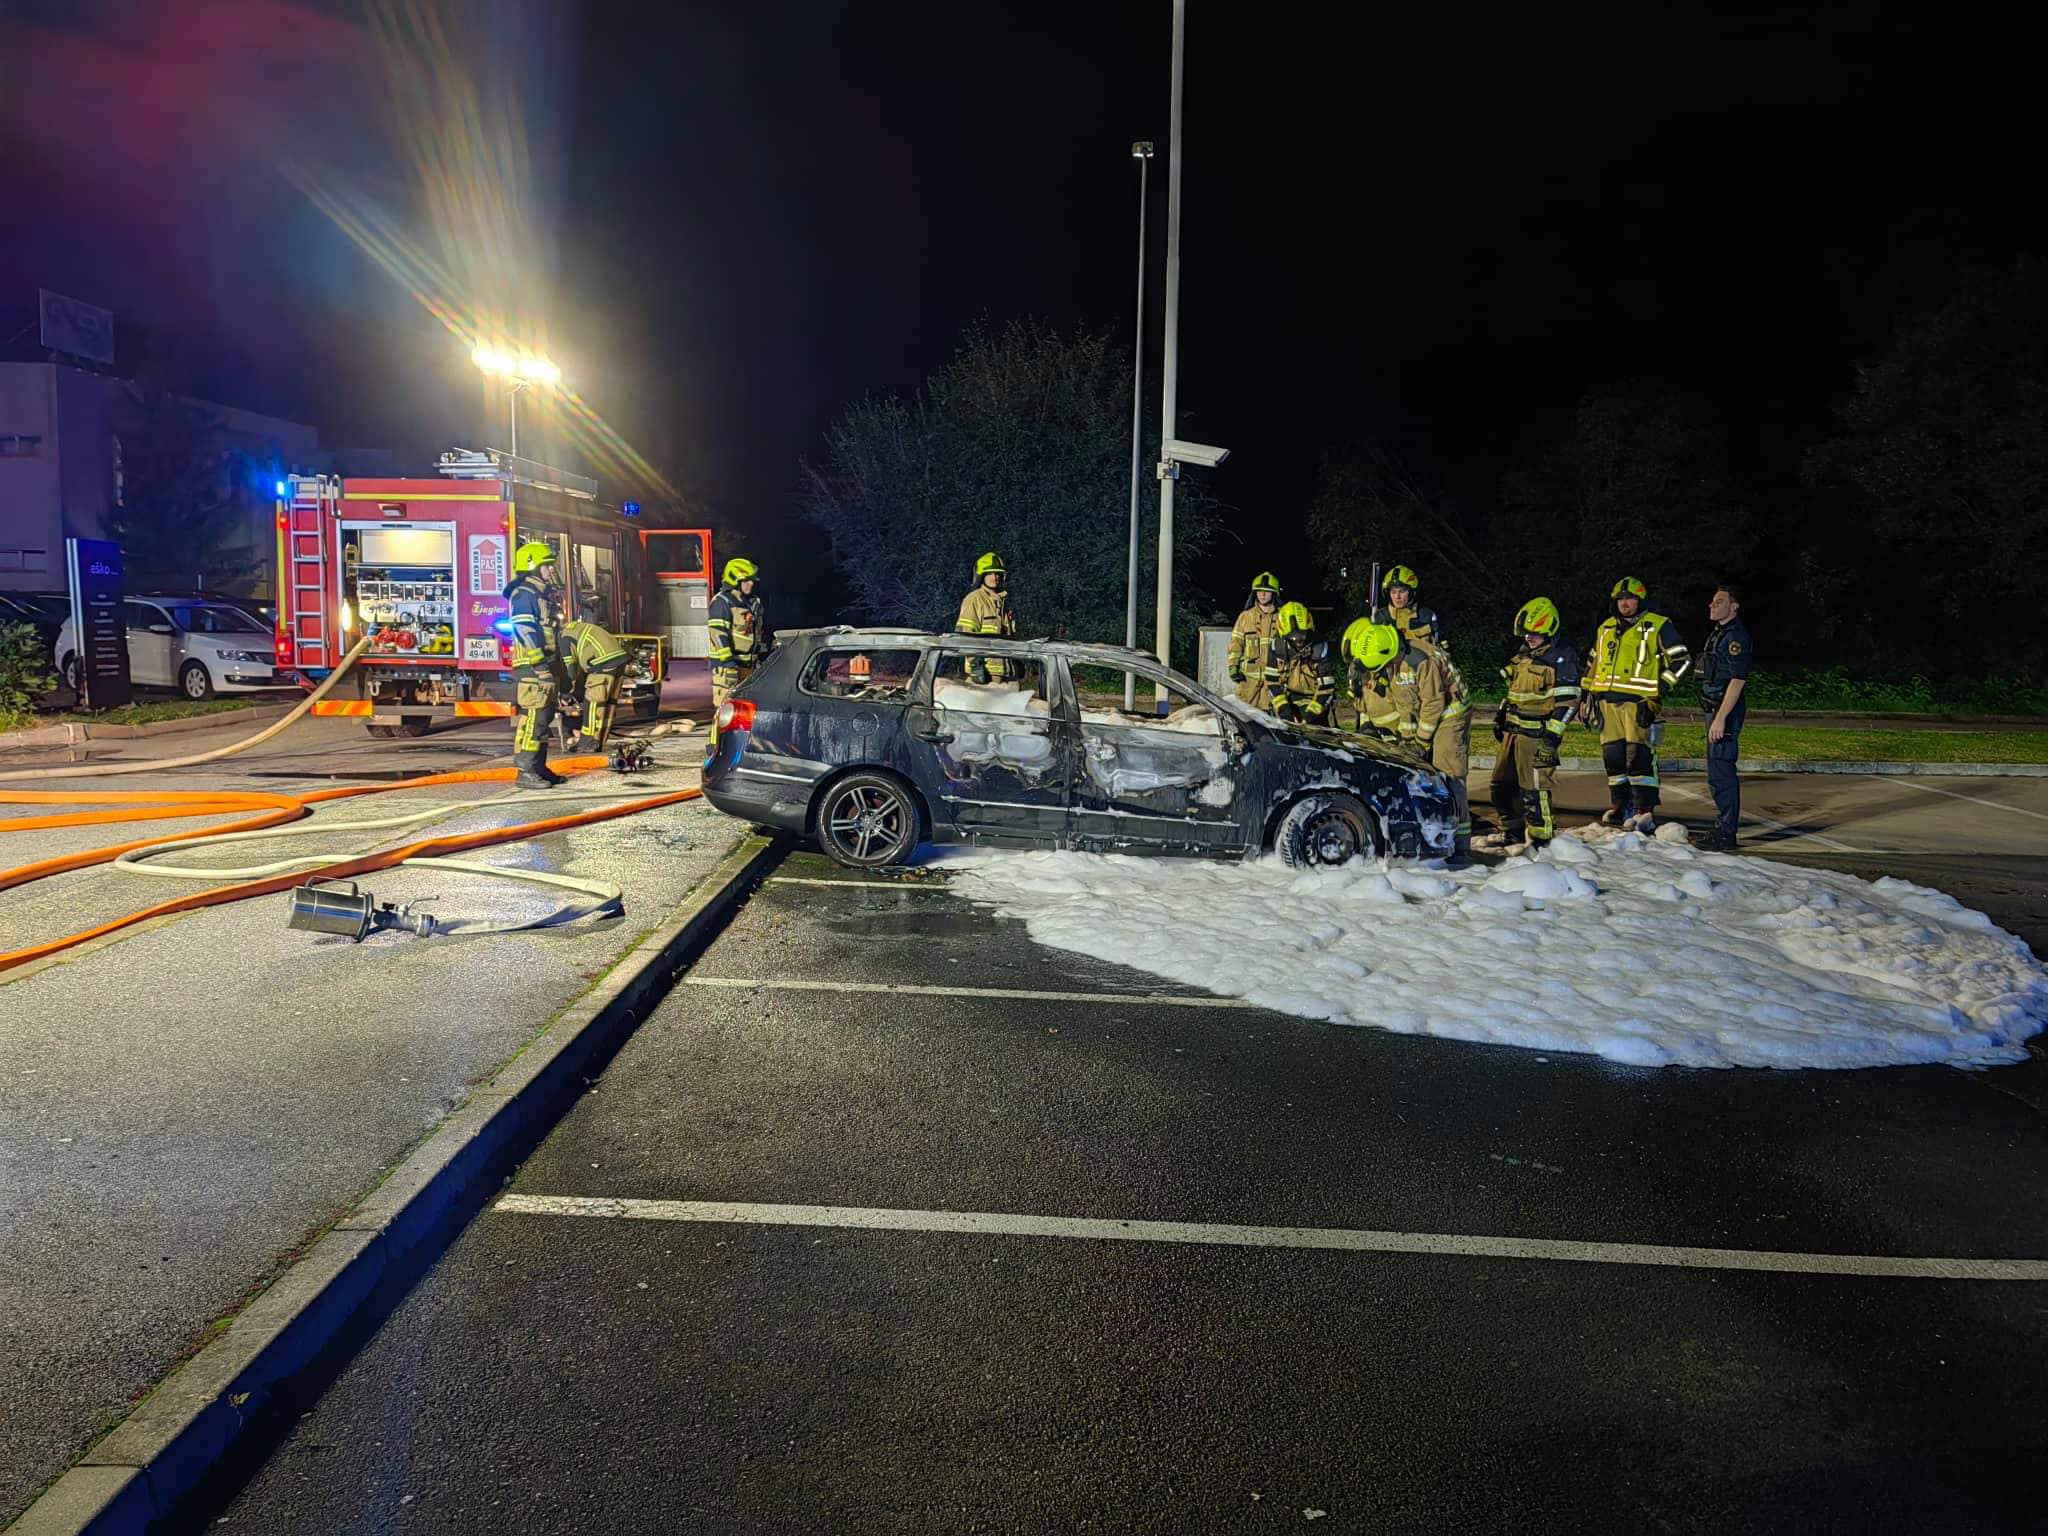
(214, 619)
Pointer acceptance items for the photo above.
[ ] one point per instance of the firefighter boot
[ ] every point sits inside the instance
(533, 772)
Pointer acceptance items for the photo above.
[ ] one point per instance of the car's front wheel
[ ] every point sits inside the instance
(74, 674)
(195, 680)
(867, 820)
(1324, 830)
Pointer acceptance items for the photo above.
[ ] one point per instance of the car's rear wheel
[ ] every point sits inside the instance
(867, 820)
(74, 674)
(195, 680)
(1324, 830)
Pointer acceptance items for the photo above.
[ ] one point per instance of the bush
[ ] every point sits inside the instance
(25, 674)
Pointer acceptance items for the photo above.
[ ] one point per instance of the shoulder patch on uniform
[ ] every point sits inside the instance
(1734, 647)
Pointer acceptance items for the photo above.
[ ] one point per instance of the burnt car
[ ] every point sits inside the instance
(874, 740)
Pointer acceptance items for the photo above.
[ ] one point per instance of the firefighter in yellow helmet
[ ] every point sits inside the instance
(1637, 659)
(1251, 641)
(738, 626)
(1300, 673)
(1397, 606)
(534, 596)
(1542, 695)
(595, 663)
(1409, 690)
(985, 610)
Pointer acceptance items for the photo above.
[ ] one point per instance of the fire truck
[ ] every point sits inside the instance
(420, 567)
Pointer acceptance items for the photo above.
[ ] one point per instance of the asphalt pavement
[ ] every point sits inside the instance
(688, 1313)
(183, 1106)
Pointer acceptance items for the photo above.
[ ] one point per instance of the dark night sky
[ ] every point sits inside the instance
(1446, 222)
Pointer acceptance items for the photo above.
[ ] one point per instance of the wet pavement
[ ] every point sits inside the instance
(183, 1107)
(562, 1369)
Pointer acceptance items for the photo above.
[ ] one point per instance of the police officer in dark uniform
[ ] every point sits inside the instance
(1724, 674)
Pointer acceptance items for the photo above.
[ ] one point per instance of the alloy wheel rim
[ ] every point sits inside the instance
(862, 818)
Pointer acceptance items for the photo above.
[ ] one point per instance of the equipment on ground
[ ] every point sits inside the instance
(631, 757)
(345, 909)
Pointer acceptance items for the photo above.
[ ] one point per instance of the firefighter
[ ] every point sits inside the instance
(595, 663)
(1409, 690)
(985, 610)
(1542, 694)
(1300, 673)
(739, 631)
(1637, 659)
(1398, 607)
(1251, 641)
(535, 596)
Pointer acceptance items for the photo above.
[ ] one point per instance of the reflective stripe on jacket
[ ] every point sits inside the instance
(1251, 641)
(983, 612)
(586, 646)
(534, 620)
(1303, 680)
(738, 627)
(1413, 695)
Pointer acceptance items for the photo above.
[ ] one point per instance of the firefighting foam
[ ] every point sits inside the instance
(1637, 950)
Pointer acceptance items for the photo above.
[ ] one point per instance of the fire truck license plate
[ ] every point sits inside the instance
(479, 648)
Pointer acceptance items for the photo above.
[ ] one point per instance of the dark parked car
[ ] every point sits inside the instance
(875, 740)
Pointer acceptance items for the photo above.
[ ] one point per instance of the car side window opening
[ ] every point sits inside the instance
(1178, 764)
(1006, 721)
(880, 675)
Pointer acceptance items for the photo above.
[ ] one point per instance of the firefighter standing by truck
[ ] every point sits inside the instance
(1300, 673)
(1542, 694)
(1637, 659)
(1409, 690)
(738, 626)
(1251, 641)
(595, 663)
(986, 610)
(534, 595)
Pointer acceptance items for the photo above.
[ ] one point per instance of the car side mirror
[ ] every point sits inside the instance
(161, 629)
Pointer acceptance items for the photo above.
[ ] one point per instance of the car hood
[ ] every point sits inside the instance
(1324, 737)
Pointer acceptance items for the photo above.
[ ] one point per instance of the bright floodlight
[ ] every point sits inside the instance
(526, 369)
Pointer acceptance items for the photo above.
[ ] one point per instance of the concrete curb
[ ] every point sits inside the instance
(1795, 765)
(91, 730)
(137, 1474)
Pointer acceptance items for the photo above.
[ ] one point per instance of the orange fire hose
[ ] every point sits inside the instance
(275, 809)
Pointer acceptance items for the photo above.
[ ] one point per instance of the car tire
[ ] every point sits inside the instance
(866, 821)
(415, 725)
(1323, 830)
(74, 675)
(194, 681)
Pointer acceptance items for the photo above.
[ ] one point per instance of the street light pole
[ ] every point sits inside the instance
(1169, 362)
(512, 397)
(1142, 153)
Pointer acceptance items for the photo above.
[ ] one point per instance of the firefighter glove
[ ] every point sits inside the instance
(1546, 751)
(1646, 713)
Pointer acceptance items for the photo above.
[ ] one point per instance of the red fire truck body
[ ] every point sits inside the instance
(420, 567)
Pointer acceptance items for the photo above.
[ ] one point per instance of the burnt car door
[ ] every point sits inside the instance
(993, 754)
(854, 699)
(1143, 781)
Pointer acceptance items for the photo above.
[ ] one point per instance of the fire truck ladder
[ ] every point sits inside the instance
(314, 499)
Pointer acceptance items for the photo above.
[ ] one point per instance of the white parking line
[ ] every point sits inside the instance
(1125, 999)
(991, 1223)
(1764, 821)
(1929, 789)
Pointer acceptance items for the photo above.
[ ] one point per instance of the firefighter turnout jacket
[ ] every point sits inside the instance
(1414, 696)
(1542, 691)
(1639, 659)
(1251, 650)
(536, 622)
(1414, 623)
(1302, 680)
(986, 611)
(738, 627)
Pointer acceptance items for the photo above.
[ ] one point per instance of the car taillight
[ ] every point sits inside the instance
(736, 715)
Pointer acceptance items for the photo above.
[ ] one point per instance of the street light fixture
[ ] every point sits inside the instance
(519, 370)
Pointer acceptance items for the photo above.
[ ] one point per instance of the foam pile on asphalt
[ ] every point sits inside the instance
(1639, 950)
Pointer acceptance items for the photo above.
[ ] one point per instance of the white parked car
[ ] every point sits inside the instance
(198, 648)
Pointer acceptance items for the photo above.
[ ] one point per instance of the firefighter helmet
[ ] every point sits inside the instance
(1375, 646)
(1266, 581)
(990, 562)
(1628, 586)
(1293, 619)
(1538, 616)
(741, 569)
(531, 556)
(1400, 576)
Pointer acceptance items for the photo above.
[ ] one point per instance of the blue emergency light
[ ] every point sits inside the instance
(502, 626)
(631, 509)
(280, 487)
